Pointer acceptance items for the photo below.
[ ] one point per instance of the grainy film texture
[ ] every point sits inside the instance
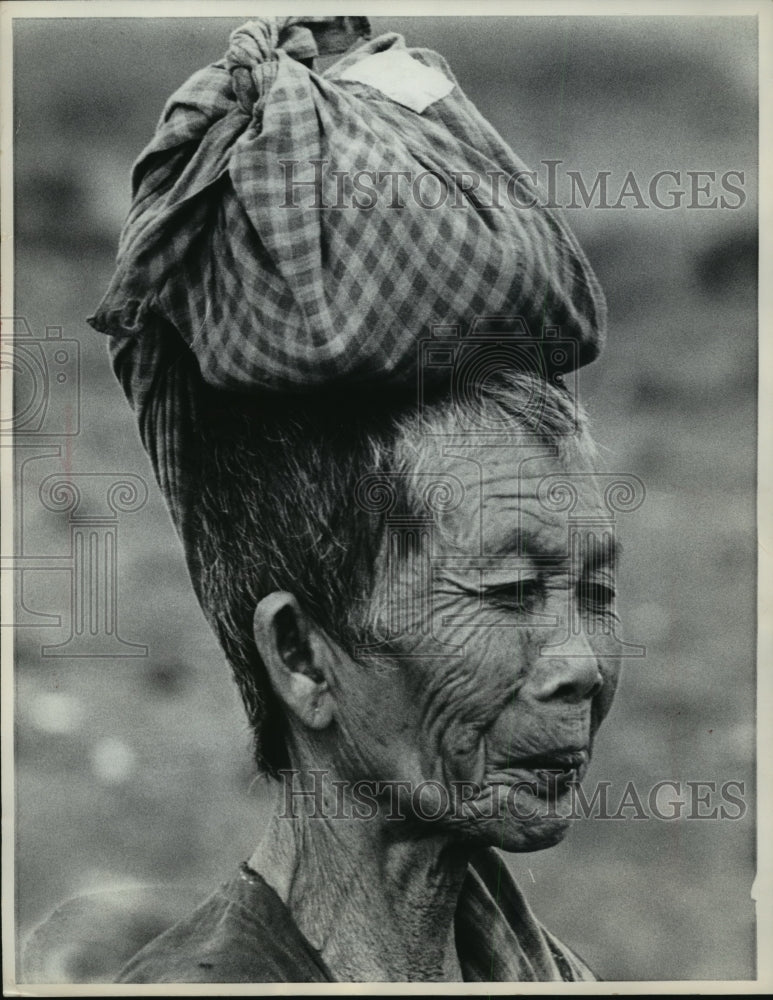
(132, 750)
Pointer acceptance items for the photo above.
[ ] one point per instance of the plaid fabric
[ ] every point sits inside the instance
(271, 296)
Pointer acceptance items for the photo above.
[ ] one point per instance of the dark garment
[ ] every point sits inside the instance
(243, 933)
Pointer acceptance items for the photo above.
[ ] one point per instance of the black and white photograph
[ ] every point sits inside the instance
(384, 498)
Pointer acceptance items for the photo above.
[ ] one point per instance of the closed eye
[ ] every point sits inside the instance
(519, 595)
(597, 599)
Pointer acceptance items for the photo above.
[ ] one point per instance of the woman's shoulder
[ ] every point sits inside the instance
(242, 933)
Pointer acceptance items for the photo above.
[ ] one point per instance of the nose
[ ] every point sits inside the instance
(568, 673)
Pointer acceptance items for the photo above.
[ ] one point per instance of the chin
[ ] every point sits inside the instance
(513, 835)
(528, 824)
(538, 835)
(535, 821)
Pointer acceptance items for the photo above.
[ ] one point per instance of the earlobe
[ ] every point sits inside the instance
(290, 649)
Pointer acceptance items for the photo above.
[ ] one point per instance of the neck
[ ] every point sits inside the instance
(376, 902)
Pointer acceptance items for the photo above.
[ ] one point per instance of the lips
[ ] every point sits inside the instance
(550, 773)
(553, 760)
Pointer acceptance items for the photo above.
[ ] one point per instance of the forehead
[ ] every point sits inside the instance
(515, 497)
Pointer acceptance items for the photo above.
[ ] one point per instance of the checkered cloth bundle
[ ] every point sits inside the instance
(299, 230)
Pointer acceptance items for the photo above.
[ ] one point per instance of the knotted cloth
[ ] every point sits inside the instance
(268, 248)
(275, 296)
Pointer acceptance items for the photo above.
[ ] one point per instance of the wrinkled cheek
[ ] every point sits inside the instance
(378, 722)
(465, 702)
(454, 747)
(463, 755)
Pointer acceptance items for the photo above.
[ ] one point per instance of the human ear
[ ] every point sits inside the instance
(294, 658)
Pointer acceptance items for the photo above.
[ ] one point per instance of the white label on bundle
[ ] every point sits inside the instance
(400, 77)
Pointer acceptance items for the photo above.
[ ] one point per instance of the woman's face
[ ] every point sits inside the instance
(501, 660)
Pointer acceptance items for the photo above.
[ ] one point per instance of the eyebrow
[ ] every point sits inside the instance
(607, 550)
(604, 550)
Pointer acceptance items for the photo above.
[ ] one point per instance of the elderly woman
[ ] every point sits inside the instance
(359, 468)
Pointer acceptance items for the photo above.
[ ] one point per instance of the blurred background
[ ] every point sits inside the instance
(136, 771)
